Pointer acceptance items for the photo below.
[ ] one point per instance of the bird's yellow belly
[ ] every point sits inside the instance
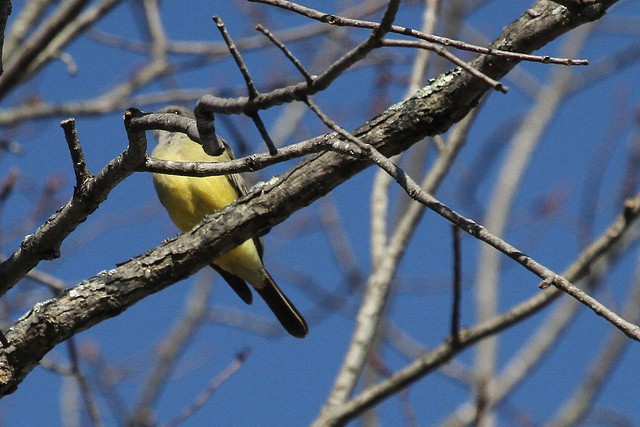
(188, 201)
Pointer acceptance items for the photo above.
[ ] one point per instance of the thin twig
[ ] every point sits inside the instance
(211, 388)
(308, 77)
(449, 56)
(23, 22)
(157, 33)
(456, 234)
(77, 155)
(217, 50)
(43, 36)
(65, 24)
(378, 286)
(57, 287)
(75, 27)
(338, 239)
(430, 17)
(85, 390)
(300, 91)
(8, 185)
(255, 117)
(237, 57)
(251, 88)
(359, 23)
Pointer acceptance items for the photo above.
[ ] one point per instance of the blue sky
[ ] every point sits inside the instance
(285, 381)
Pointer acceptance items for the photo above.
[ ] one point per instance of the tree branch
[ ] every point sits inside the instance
(45, 242)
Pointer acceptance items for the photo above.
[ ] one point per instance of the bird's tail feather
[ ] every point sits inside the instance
(284, 309)
(238, 285)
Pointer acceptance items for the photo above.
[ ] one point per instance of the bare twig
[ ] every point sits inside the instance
(77, 155)
(8, 185)
(301, 91)
(447, 55)
(46, 241)
(23, 23)
(215, 50)
(457, 285)
(237, 57)
(379, 207)
(57, 31)
(70, 32)
(176, 123)
(85, 389)
(358, 23)
(308, 77)
(156, 31)
(214, 385)
(255, 117)
(612, 241)
(251, 88)
(430, 20)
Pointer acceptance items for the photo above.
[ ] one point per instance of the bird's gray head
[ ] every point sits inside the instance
(163, 135)
(177, 109)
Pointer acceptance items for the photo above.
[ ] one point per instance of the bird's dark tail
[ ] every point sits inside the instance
(284, 309)
(238, 285)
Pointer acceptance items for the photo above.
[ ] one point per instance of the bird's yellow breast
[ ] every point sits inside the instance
(189, 199)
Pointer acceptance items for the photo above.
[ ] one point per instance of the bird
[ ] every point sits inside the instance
(189, 199)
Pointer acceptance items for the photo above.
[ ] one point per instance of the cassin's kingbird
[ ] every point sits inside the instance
(189, 199)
